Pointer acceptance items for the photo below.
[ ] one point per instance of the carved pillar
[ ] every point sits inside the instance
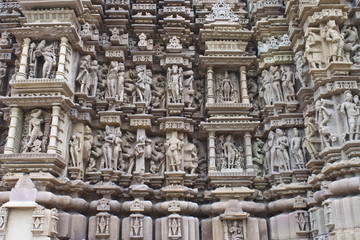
(243, 85)
(210, 85)
(248, 153)
(60, 74)
(16, 117)
(55, 116)
(21, 75)
(212, 154)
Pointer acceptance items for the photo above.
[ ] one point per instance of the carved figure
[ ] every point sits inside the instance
(258, 156)
(309, 141)
(287, 78)
(296, 149)
(158, 91)
(173, 153)
(191, 166)
(351, 39)
(282, 144)
(84, 76)
(230, 152)
(34, 131)
(92, 83)
(313, 51)
(88, 142)
(75, 149)
(323, 115)
(268, 90)
(108, 148)
(189, 91)
(49, 60)
(335, 41)
(350, 110)
(111, 79)
(276, 83)
(300, 62)
(120, 83)
(227, 88)
(175, 81)
(117, 149)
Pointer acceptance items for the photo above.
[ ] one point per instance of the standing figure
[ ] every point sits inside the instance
(111, 79)
(34, 131)
(173, 153)
(296, 149)
(349, 108)
(282, 143)
(49, 60)
(108, 148)
(118, 159)
(83, 77)
(287, 78)
(300, 64)
(91, 86)
(227, 88)
(140, 83)
(335, 41)
(270, 151)
(189, 91)
(75, 149)
(276, 82)
(268, 90)
(175, 81)
(310, 132)
(120, 83)
(230, 151)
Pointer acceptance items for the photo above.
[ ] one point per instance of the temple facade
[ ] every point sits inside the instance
(179, 119)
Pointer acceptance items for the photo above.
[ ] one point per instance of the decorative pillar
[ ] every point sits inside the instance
(16, 117)
(60, 74)
(55, 116)
(248, 153)
(21, 75)
(243, 85)
(210, 85)
(212, 154)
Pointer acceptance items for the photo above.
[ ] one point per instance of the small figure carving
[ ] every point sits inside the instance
(108, 148)
(258, 157)
(117, 149)
(173, 153)
(230, 152)
(158, 92)
(281, 147)
(112, 78)
(191, 166)
(335, 41)
(84, 76)
(276, 83)
(267, 87)
(189, 91)
(351, 39)
(309, 141)
(313, 51)
(34, 132)
(350, 110)
(296, 150)
(75, 149)
(175, 81)
(323, 116)
(300, 62)
(287, 78)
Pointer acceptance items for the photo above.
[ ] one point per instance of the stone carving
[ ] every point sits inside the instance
(273, 43)
(175, 84)
(351, 112)
(96, 151)
(324, 114)
(335, 41)
(189, 91)
(198, 96)
(143, 85)
(228, 155)
(297, 150)
(351, 41)
(221, 12)
(266, 87)
(233, 230)
(276, 83)
(287, 78)
(174, 44)
(108, 149)
(313, 51)
(158, 91)
(258, 157)
(42, 59)
(173, 153)
(89, 31)
(227, 88)
(144, 43)
(34, 133)
(190, 162)
(300, 62)
(282, 155)
(128, 147)
(83, 76)
(310, 133)
(75, 146)
(157, 156)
